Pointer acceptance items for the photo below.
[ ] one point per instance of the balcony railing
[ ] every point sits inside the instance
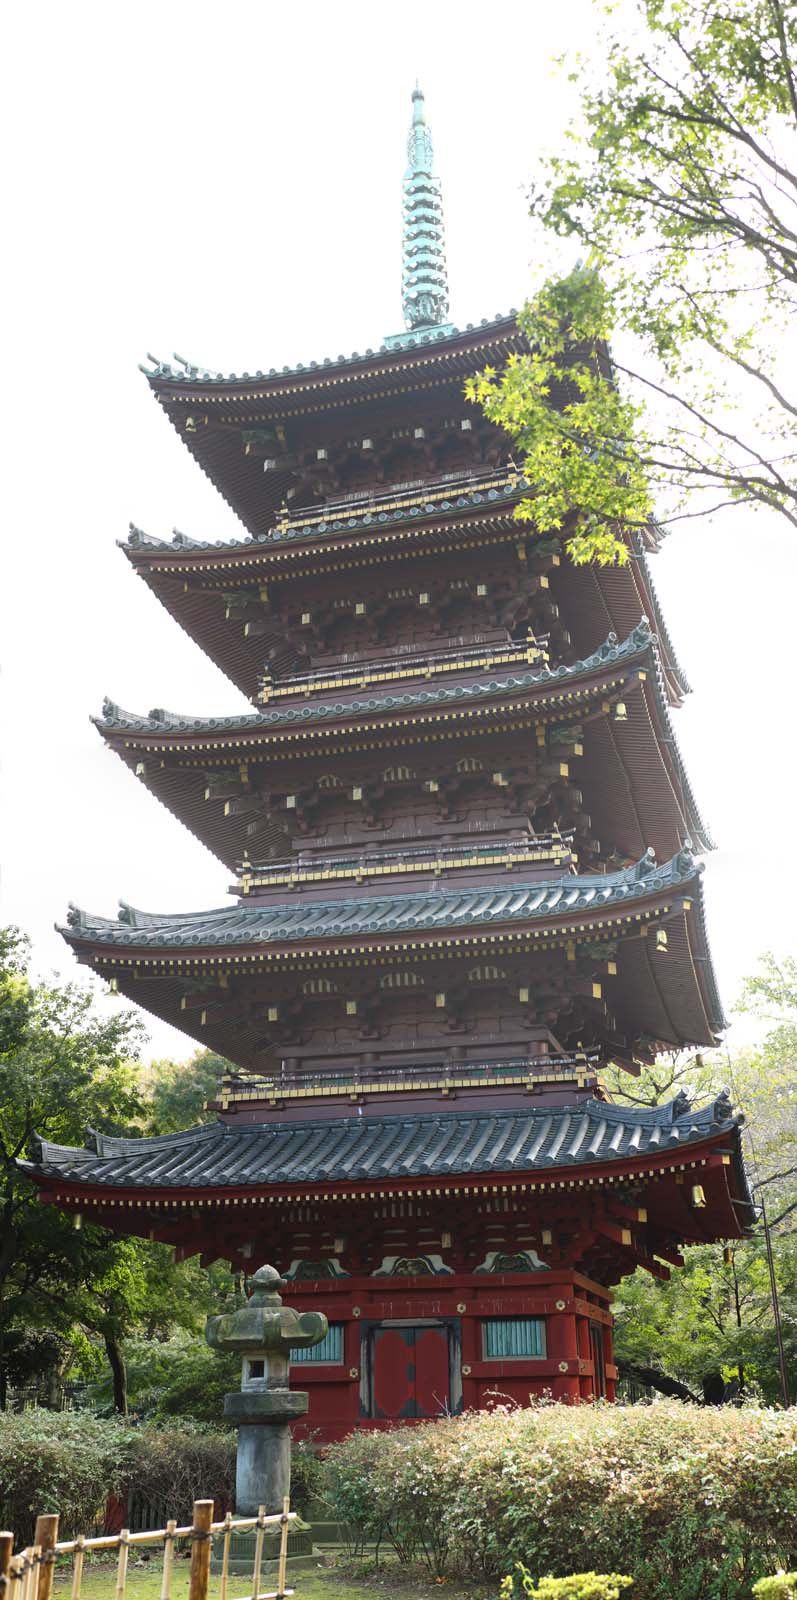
(414, 497)
(554, 849)
(296, 1083)
(425, 664)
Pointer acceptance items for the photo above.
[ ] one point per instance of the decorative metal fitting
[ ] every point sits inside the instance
(461, 1306)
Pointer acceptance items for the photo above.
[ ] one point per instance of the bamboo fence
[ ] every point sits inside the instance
(29, 1574)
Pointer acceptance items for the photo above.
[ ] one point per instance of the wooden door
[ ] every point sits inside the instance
(410, 1371)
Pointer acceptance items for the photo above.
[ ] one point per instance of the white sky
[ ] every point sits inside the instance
(224, 181)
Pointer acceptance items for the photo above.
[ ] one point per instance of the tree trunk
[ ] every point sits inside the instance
(654, 1378)
(113, 1350)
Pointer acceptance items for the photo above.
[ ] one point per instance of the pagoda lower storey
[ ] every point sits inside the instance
(419, 1347)
(461, 1255)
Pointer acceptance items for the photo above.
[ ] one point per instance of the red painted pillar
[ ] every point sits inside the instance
(608, 1349)
(354, 1356)
(563, 1350)
(471, 1354)
(586, 1387)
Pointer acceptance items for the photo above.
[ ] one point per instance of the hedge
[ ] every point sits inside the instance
(76, 1464)
(692, 1503)
(60, 1461)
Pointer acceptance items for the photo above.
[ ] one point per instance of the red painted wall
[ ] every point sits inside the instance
(434, 1361)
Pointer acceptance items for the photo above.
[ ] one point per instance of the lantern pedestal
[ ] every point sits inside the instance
(264, 1332)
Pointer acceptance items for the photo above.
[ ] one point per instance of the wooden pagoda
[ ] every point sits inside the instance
(461, 839)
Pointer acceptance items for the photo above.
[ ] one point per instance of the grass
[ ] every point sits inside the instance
(327, 1583)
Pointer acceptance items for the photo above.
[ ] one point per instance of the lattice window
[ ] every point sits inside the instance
(397, 774)
(330, 1348)
(401, 980)
(328, 780)
(486, 974)
(470, 764)
(513, 1338)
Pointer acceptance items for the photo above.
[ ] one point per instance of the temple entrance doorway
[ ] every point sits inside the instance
(411, 1369)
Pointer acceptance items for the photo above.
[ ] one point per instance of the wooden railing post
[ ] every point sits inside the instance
(121, 1565)
(46, 1537)
(168, 1559)
(30, 1572)
(77, 1566)
(282, 1567)
(200, 1550)
(6, 1552)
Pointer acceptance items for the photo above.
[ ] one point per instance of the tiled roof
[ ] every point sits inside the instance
(339, 521)
(161, 721)
(434, 908)
(641, 642)
(186, 372)
(662, 630)
(439, 1144)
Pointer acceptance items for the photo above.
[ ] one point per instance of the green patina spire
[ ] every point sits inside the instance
(424, 282)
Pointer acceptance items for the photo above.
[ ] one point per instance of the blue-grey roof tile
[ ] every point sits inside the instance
(440, 1143)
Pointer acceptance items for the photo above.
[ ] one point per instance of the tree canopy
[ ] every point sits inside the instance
(679, 189)
(714, 1319)
(66, 1292)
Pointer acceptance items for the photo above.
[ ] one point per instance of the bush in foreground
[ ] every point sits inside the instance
(60, 1461)
(579, 1586)
(694, 1504)
(77, 1464)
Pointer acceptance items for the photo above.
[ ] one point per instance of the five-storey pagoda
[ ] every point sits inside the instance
(461, 837)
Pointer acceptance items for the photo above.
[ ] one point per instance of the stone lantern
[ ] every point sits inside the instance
(263, 1333)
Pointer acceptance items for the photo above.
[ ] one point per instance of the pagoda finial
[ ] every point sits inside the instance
(424, 282)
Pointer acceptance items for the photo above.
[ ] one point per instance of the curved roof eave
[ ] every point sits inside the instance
(444, 339)
(548, 1143)
(563, 896)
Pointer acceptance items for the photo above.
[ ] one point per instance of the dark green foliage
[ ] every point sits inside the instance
(66, 1294)
(692, 1503)
(170, 1468)
(170, 1378)
(177, 1091)
(68, 1463)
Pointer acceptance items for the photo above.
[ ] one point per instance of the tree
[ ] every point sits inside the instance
(715, 1314)
(680, 188)
(178, 1091)
(61, 1067)
(64, 1066)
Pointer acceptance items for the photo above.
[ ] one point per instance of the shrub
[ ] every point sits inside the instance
(172, 1467)
(579, 1586)
(76, 1464)
(694, 1504)
(782, 1586)
(65, 1462)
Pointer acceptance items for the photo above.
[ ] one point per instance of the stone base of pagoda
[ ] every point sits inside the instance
(413, 1348)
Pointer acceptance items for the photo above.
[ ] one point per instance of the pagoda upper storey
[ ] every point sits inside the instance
(445, 813)
(392, 574)
(306, 435)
